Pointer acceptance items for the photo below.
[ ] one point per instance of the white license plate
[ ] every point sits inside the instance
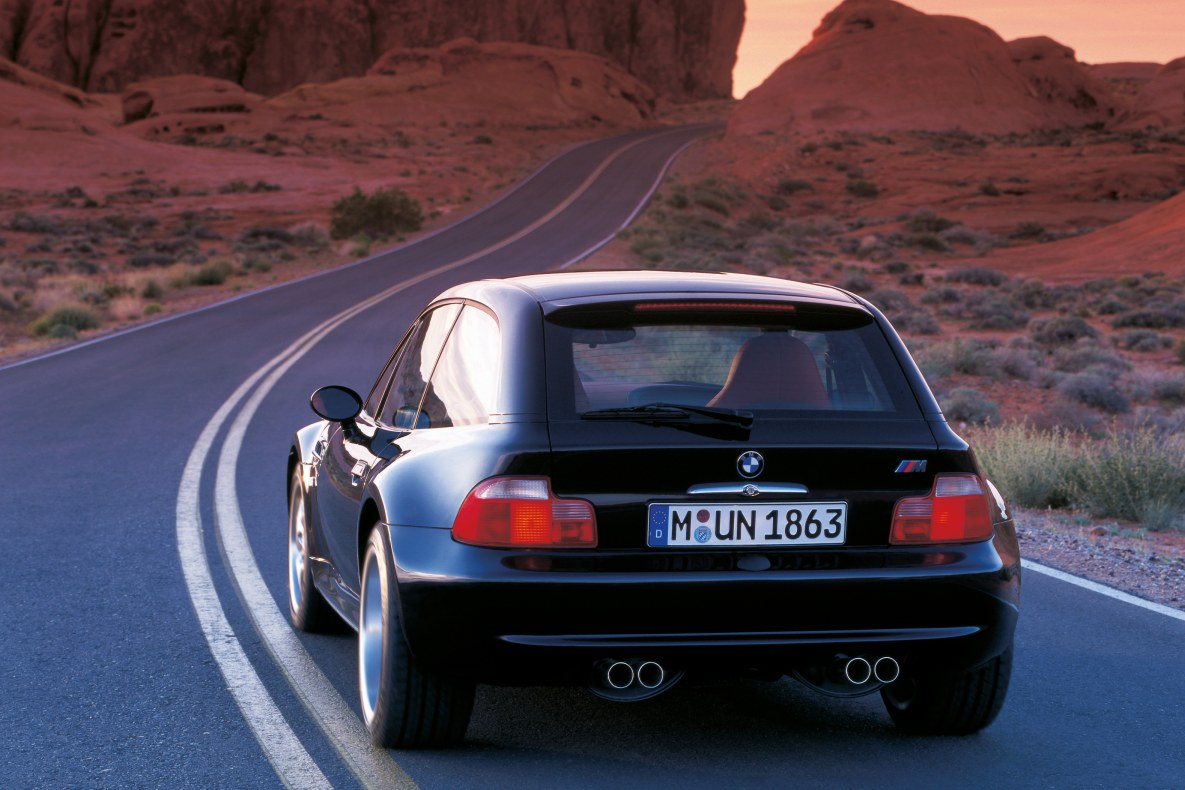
(704, 526)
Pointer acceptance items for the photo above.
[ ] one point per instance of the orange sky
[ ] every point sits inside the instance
(1100, 31)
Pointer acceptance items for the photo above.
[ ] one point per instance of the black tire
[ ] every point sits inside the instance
(404, 704)
(307, 608)
(956, 704)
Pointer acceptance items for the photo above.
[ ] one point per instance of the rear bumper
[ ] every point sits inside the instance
(529, 617)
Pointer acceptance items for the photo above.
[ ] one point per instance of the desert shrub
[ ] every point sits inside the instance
(859, 187)
(65, 321)
(1030, 467)
(1086, 355)
(678, 199)
(917, 322)
(263, 232)
(1167, 389)
(1180, 351)
(1034, 295)
(649, 247)
(896, 267)
(926, 221)
(1151, 318)
(857, 281)
(942, 294)
(927, 241)
(144, 260)
(971, 406)
(1096, 390)
(381, 213)
(889, 299)
(976, 275)
(34, 223)
(311, 236)
(983, 241)
(776, 202)
(967, 356)
(482, 139)
(1017, 363)
(152, 290)
(990, 310)
(1109, 307)
(788, 186)
(1144, 340)
(1028, 230)
(717, 194)
(1136, 475)
(989, 188)
(211, 274)
(1061, 331)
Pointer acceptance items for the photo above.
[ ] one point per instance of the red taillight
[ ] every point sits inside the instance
(521, 512)
(955, 511)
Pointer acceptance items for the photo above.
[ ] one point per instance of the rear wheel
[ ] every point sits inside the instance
(404, 704)
(953, 704)
(306, 607)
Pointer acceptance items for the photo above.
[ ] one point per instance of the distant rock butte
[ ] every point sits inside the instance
(1161, 102)
(681, 48)
(460, 82)
(879, 65)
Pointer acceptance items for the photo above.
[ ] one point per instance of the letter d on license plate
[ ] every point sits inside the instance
(696, 525)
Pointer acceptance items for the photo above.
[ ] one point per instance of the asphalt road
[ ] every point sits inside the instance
(128, 463)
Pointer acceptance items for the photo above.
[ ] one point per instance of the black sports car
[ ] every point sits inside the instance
(619, 479)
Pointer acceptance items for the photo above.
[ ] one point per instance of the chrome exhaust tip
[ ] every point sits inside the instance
(857, 671)
(619, 675)
(886, 669)
(650, 674)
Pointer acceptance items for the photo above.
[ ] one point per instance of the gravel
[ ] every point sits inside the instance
(1148, 565)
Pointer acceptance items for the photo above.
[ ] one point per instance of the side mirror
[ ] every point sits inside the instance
(336, 404)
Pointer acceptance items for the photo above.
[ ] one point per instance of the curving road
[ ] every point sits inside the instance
(142, 575)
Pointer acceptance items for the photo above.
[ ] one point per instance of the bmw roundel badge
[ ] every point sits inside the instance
(750, 464)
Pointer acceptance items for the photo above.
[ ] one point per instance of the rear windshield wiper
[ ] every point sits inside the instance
(662, 412)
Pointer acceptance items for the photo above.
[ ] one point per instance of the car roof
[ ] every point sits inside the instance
(564, 286)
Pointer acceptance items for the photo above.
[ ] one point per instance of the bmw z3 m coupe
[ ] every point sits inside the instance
(624, 479)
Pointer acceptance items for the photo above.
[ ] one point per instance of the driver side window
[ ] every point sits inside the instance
(414, 368)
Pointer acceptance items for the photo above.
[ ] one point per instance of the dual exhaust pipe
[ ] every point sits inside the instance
(630, 680)
(860, 670)
(621, 675)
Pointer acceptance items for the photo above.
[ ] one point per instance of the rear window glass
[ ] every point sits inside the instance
(789, 365)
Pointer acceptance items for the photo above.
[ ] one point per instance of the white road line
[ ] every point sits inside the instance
(1103, 589)
(373, 767)
(283, 749)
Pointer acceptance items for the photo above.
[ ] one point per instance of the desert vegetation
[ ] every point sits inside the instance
(1071, 387)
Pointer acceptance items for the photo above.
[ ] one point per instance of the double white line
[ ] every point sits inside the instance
(293, 765)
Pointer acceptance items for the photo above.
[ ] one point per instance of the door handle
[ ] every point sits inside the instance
(358, 472)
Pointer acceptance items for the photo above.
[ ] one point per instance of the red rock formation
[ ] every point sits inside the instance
(877, 64)
(1070, 93)
(682, 48)
(1160, 103)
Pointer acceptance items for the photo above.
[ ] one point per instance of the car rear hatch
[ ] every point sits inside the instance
(798, 428)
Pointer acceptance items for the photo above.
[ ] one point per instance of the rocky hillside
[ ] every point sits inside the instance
(682, 48)
(879, 65)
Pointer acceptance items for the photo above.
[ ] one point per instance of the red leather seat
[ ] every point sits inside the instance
(773, 370)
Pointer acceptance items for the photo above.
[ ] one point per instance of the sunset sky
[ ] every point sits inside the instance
(1099, 31)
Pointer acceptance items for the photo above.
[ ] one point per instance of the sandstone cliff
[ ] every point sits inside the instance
(681, 48)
